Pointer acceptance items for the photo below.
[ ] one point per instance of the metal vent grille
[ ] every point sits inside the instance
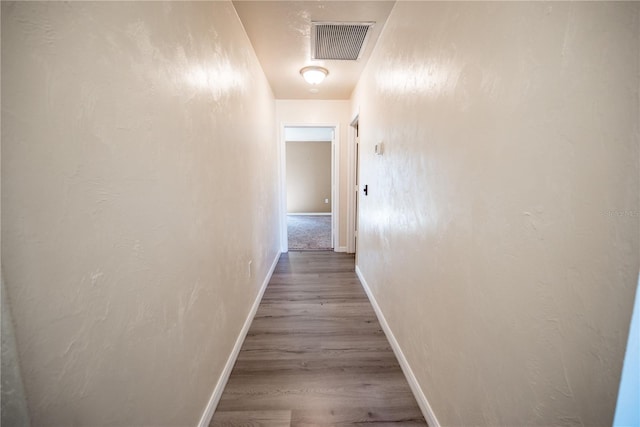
(339, 40)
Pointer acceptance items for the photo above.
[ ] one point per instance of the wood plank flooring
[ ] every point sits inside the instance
(315, 354)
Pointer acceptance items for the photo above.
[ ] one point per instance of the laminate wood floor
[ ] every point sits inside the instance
(315, 354)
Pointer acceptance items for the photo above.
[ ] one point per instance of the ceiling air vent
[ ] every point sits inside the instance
(339, 40)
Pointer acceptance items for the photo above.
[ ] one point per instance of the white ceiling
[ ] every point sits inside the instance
(280, 34)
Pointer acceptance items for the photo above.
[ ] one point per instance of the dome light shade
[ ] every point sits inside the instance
(314, 75)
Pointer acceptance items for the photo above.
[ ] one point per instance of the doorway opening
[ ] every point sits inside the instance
(308, 187)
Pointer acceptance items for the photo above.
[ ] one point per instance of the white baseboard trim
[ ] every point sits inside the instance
(310, 213)
(340, 249)
(424, 405)
(224, 377)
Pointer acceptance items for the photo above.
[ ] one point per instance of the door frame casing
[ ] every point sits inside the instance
(335, 181)
(352, 194)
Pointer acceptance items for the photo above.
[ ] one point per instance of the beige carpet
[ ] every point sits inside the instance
(309, 232)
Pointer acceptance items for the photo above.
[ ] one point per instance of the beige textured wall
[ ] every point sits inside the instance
(501, 233)
(134, 194)
(308, 176)
(323, 112)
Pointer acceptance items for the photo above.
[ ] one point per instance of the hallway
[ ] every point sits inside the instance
(485, 163)
(315, 354)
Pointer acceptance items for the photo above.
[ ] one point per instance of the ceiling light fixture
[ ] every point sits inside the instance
(314, 75)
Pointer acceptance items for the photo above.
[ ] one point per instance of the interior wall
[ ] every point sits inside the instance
(13, 403)
(308, 176)
(139, 179)
(500, 234)
(323, 112)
